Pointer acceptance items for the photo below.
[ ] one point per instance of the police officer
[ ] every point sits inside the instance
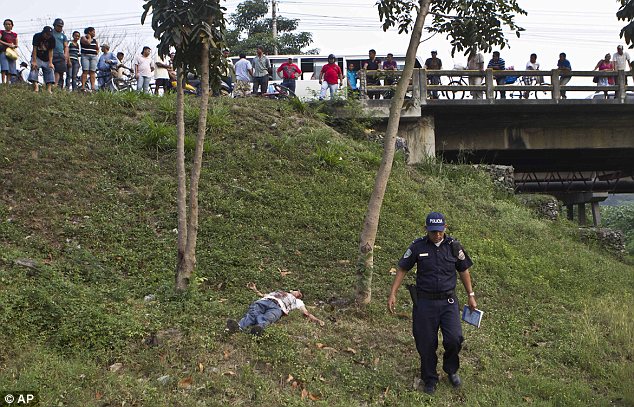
(437, 257)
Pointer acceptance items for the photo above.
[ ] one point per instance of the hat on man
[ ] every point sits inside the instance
(435, 222)
(47, 29)
(619, 47)
(58, 21)
(105, 45)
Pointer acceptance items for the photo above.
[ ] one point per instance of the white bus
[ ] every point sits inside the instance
(307, 86)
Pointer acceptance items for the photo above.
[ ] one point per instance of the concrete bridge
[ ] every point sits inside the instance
(578, 149)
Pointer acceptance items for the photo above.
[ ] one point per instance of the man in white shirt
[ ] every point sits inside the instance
(475, 63)
(161, 75)
(532, 65)
(621, 60)
(244, 73)
(268, 309)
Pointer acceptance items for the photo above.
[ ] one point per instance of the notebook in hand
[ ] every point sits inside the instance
(472, 317)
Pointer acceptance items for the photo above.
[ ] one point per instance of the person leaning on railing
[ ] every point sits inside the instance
(434, 63)
(372, 64)
(497, 64)
(564, 65)
(532, 65)
(390, 66)
(476, 63)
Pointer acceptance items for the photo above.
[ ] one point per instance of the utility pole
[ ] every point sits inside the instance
(274, 25)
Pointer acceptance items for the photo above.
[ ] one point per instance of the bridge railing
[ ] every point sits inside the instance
(456, 84)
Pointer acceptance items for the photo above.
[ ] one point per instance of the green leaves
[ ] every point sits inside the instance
(252, 28)
(470, 25)
(627, 13)
(184, 25)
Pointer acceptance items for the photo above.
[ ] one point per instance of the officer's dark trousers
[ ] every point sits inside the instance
(428, 316)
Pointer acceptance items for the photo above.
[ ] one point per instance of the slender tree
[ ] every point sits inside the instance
(195, 29)
(470, 24)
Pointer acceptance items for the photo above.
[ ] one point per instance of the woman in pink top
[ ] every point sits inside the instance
(605, 65)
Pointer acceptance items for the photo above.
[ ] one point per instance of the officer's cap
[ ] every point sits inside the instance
(435, 222)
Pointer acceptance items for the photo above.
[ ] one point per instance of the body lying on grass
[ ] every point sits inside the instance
(268, 309)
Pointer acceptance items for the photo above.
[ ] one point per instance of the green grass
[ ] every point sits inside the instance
(91, 199)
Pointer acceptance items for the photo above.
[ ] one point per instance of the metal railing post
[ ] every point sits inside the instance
(490, 92)
(415, 86)
(622, 86)
(363, 84)
(422, 74)
(554, 80)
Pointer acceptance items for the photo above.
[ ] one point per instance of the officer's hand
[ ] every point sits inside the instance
(251, 285)
(391, 302)
(472, 303)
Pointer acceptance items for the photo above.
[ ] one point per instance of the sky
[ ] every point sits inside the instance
(585, 29)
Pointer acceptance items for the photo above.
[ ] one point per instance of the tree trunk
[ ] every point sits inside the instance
(365, 262)
(181, 197)
(192, 227)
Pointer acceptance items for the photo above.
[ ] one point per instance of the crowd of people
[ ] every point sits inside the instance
(80, 62)
(58, 60)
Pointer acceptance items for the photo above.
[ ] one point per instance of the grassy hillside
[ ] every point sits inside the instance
(88, 195)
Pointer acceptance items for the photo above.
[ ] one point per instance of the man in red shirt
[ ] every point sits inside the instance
(290, 73)
(330, 77)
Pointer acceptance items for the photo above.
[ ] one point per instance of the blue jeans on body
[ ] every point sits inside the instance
(104, 79)
(289, 83)
(262, 313)
(7, 65)
(49, 75)
(71, 75)
(143, 84)
(325, 86)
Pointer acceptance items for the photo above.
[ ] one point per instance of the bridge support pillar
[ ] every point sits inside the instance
(581, 210)
(570, 211)
(421, 138)
(596, 214)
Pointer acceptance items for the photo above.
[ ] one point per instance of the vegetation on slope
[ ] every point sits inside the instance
(88, 194)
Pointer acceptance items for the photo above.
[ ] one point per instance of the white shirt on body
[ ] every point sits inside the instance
(242, 70)
(621, 62)
(161, 73)
(144, 65)
(286, 301)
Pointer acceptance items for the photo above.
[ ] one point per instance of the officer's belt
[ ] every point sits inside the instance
(436, 296)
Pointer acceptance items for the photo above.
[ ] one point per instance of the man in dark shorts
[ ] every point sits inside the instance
(61, 59)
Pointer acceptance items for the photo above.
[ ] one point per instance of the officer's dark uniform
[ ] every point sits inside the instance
(437, 305)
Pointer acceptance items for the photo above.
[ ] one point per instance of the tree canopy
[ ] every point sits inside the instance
(470, 25)
(626, 13)
(253, 27)
(181, 24)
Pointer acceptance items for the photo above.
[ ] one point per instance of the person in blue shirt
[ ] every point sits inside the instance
(563, 65)
(497, 64)
(107, 62)
(437, 258)
(61, 60)
(351, 76)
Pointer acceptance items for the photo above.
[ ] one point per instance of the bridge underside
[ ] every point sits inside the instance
(560, 148)
(543, 160)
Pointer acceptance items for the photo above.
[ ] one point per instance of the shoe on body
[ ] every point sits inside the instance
(454, 379)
